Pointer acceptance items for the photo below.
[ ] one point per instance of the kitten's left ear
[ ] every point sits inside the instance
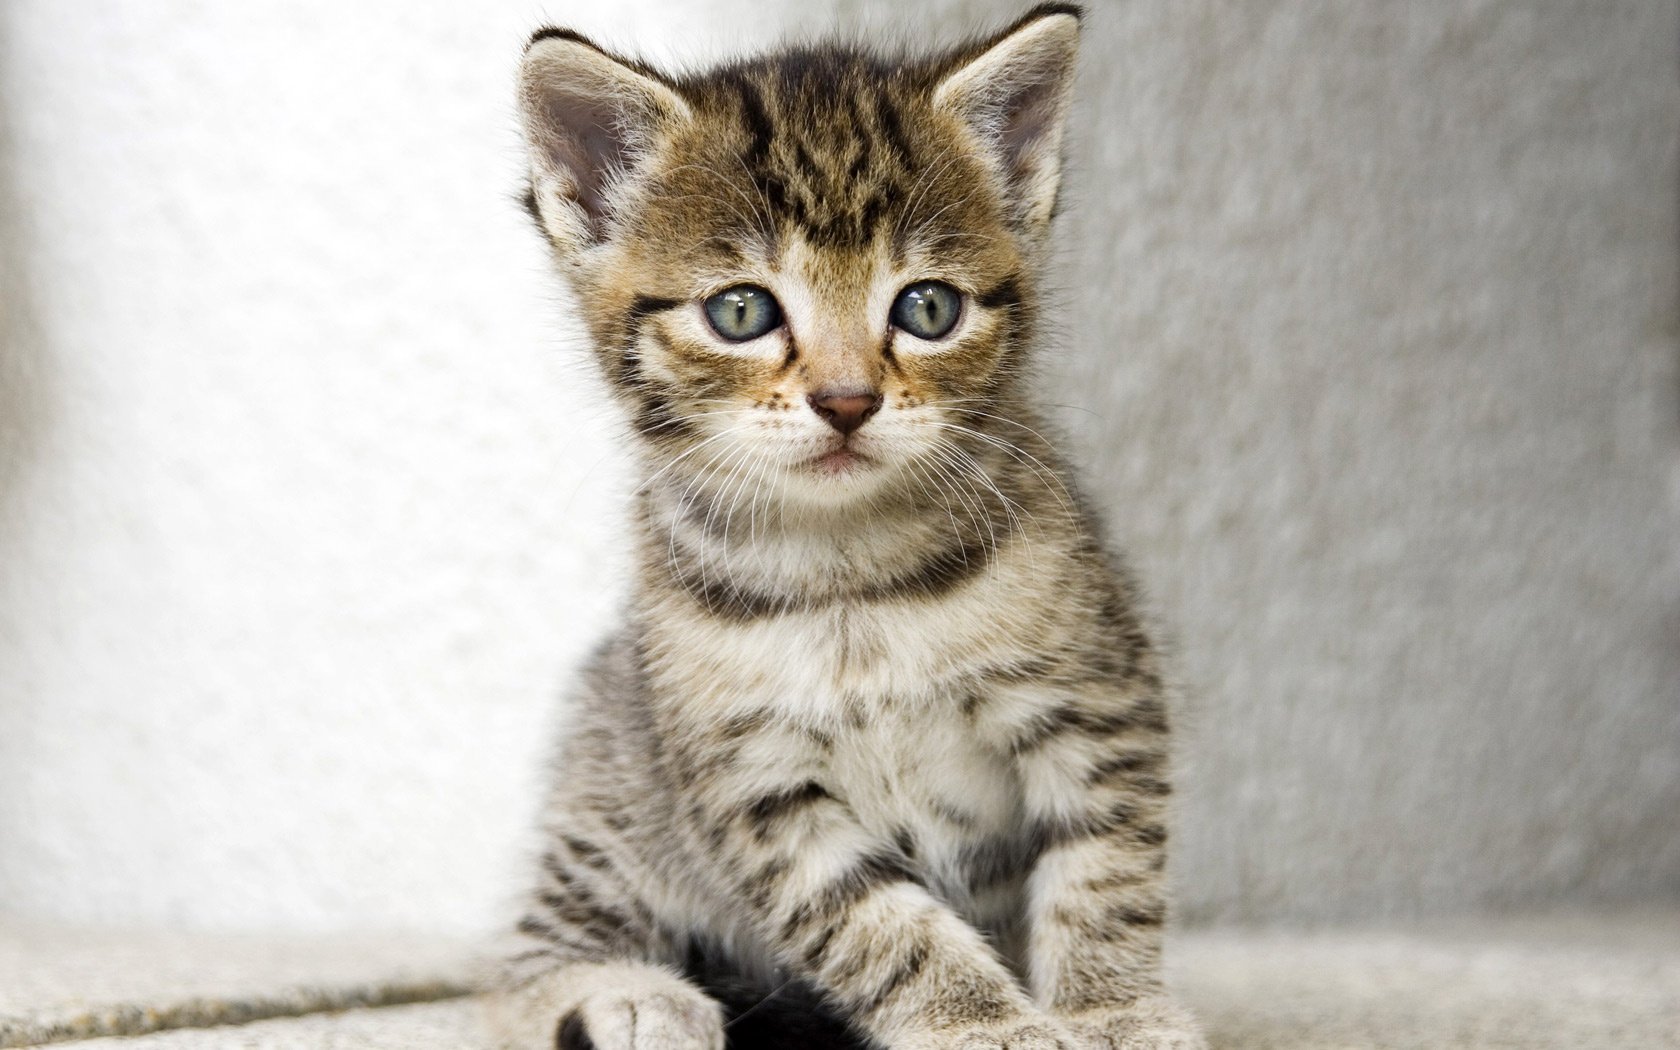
(1012, 92)
(590, 119)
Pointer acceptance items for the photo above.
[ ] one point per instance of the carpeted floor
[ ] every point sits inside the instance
(1573, 981)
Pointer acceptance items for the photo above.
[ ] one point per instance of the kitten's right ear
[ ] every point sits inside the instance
(1012, 91)
(589, 118)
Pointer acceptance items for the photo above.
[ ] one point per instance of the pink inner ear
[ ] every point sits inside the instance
(1029, 116)
(585, 137)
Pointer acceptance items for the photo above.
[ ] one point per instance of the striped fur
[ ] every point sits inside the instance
(882, 734)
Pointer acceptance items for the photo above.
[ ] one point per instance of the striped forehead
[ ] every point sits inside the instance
(825, 140)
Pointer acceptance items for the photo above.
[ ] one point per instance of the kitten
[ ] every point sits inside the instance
(879, 754)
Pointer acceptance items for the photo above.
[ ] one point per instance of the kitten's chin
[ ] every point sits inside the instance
(839, 476)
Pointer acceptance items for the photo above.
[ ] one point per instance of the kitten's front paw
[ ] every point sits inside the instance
(663, 1020)
(1151, 1023)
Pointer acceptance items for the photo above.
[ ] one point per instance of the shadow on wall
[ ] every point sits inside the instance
(28, 418)
(25, 404)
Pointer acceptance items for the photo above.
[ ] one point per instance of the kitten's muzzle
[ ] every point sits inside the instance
(845, 411)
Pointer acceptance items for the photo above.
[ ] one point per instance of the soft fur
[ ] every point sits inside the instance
(881, 737)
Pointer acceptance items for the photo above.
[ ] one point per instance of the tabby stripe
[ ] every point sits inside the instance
(842, 972)
(855, 170)
(750, 724)
(626, 370)
(1149, 834)
(807, 166)
(1152, 786)
(1111, 881)
(892, 129)
(1146, 764)
(734, 604)
(1134, 915)
(869, 217)
(535, 927)
(818, 949)
(643, 306)
(872, 871)
(700, 511)
(1030, 669)
(938, 575)
(762, 889)
(1006, 293)
(534, 953)
(573, 889)
(757, 119)
(532, 926)
(954, 816)
(999, 863)
(556, 869)
(781, 805)
(905, 843)
(1072, 718)
(587, 853)
(579, 911)
(1120, 819)
(844, 892)
(907, 969)
(655, 417)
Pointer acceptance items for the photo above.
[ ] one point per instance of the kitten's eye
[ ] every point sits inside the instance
(743, 312)
(927, 309)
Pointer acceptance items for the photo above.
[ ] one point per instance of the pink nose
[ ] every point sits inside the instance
(845, 411)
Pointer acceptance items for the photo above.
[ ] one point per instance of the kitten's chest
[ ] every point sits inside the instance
(920, 771)
(875, 704)
(920, 781)
(833, 665)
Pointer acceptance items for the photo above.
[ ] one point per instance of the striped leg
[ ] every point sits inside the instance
(1096, 910)
(843, 911)
(1096, 899)
(586, 977)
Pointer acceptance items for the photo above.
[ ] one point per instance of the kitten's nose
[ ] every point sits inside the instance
(845, 411)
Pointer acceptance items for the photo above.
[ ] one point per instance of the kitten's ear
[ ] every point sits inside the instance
(589, 119)
(1012, 91)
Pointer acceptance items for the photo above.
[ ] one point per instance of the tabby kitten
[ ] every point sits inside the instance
(879, 754)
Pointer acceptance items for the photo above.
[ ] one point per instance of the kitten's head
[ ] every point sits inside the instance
(814, 269)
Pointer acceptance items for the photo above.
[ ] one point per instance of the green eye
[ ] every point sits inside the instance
(743, 312)
(927, 309)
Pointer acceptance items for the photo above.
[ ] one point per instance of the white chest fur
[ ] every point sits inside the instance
(873, 701)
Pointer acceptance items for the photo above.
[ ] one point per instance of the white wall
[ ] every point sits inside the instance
(305, 507)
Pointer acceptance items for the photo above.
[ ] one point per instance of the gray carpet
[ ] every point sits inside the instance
(1575, 981)
(59, 984)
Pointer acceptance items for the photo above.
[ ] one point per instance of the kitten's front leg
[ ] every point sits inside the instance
(841, 908)
(1096, 899)
(588, 975)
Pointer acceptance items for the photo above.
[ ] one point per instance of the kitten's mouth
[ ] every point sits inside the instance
(841, 461)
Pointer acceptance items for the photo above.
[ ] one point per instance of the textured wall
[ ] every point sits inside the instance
(1369, 339)
(1376, 312)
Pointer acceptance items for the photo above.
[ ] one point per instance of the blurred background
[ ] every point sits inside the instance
(1366, 338)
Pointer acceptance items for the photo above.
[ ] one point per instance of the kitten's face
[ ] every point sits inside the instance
(808, 276)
